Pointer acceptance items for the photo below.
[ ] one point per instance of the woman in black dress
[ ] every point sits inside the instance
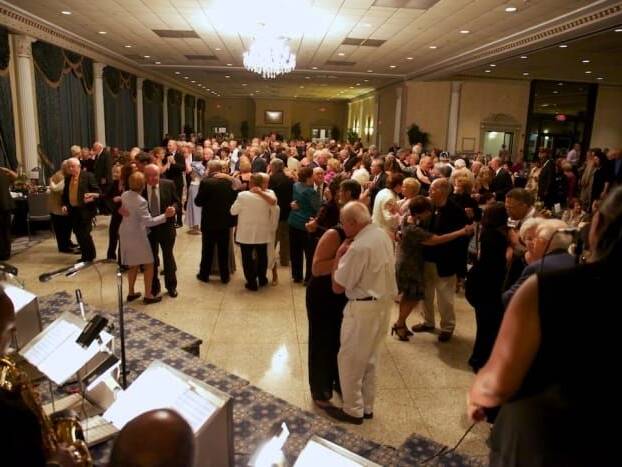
(556, 397)
(487, 279)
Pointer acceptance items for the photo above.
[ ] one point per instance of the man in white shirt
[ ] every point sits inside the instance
(574, 155)
(254, 230)
(365, 270)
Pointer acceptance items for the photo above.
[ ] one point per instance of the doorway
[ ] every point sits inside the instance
(495, 140)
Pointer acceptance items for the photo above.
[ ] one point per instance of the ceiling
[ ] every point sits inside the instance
(393, 39)
(596, 58)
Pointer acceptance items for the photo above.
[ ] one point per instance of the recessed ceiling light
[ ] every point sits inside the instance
(66, 12)
(366, 80)
(560, 84)
(392, 66)
(555, 92)
(465, 31)
(102, 32)
(208, 89)
(615, 30)
(524, 57)
(227, 76)
(366, 25)
(178, 72)
(358, 84)
(432, 47)
(341, 54)
(307, 77)
(244, 84)
(229, 64)
(600, 78)
(492, 65)
(302, 87)
(128, 46)
(351, 87)
(218, 49)
(487, 71)
(588, 72)
(409, 58)
(185, 77)
(257, 92)
(563, 46)
(511, 9)
(525, 74)
(370, 71)
(158, 63)
(193, 81)
(585, 61)
(147, 56)
(314, 68)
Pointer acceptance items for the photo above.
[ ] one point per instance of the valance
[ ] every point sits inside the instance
(54, 62)
(116, 80)
(189, 101)
(174, 97)
(152, 92)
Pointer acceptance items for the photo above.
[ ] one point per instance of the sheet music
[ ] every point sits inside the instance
(317, 454)
(56, 353)
(194, 407)
(158, 388)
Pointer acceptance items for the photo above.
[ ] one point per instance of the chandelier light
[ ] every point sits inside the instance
(269, 57)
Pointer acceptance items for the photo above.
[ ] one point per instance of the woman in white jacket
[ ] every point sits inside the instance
(134, 244)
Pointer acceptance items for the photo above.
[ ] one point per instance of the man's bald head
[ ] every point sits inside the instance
(354, 217)
(152, 174)
(158, 438)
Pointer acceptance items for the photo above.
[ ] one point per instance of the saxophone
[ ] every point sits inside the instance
(61, 429)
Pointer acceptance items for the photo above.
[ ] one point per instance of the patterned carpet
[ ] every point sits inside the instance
(21, 244)
(255, 412)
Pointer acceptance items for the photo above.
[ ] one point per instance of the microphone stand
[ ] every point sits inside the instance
(46, 277)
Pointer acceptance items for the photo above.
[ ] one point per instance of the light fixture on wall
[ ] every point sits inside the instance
(269, 57)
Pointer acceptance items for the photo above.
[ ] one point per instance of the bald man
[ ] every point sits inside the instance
(158, 438)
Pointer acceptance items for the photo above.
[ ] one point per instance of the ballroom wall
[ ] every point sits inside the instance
(607, 129)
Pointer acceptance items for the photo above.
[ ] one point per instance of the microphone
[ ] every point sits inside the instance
(67, 270)
(80, 303)
(77, 267)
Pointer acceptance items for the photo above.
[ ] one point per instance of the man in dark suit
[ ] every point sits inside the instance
(258, 163)
(161, 194)
(215, 196)
(79, 195)
(283, 187)
(6, 205)
(546, 180)
(442, 262)
(379, 180)
(102, 170)
(502, 180)
(175, 173)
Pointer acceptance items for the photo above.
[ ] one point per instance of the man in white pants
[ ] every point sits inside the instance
(365, 270)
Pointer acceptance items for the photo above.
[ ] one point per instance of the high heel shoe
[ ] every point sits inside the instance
(401, 331)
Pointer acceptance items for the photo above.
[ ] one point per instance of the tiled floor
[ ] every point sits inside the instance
(262, 337)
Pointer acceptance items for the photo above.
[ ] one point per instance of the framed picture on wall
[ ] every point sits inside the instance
(274, 117)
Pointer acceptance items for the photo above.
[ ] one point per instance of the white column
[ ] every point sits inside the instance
(196, 117)
(454, 111)
(397, 130)
(27, 101)
(183, 112)
(98, 90)
(165, 112)
(140, 120)
(376, 121)
(349, 118)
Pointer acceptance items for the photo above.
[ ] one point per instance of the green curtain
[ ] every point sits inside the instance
(64, 87)
(153, 95)
(8, 157)
(120, 108)
(201, 116)
(174, 113)
(189, 103)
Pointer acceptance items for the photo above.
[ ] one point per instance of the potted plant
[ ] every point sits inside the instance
(415, 135)
(352, 136)
(335, 133)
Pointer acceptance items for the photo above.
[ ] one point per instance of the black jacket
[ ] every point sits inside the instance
(501, 184)
(168, 197)
(546, 181)
(86, 184)
(102, 168)
(176, 171)
(447, 256)
(282, 186)
(215, 196)
(6, 202)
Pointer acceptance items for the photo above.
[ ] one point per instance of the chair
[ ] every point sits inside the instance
(38, 209)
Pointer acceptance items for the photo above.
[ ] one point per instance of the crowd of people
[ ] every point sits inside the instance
(360, 230)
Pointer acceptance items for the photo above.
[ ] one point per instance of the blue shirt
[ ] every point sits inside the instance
(308, 205)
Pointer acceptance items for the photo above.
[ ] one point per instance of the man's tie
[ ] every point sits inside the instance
(154, 206)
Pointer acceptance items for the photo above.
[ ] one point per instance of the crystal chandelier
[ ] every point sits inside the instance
(269, 57)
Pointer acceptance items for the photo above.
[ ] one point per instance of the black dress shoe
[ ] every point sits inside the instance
(172, 293)
(202, 278)
(422, 327)
(226, 280)
(251, 287)
(368, 416)
(444, 336)
(339, 414)
(150, 300)
(263, 282)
